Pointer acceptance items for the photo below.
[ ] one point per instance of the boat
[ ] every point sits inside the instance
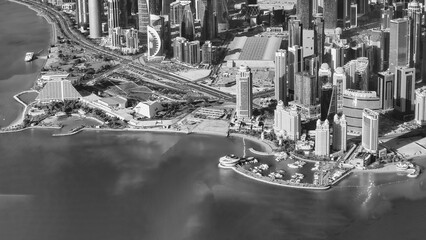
(297, 164)
(401, 166)
(29, 56)
(229, 161)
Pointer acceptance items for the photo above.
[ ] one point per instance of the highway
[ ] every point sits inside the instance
(66, 27)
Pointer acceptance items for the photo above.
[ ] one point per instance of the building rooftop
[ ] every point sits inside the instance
(58, 91)
(254, 48)
(360, 93)
(421, 91)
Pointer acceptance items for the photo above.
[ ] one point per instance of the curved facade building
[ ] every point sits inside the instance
(354, 103)
(154, 42)
(95, 18)
(113, 14)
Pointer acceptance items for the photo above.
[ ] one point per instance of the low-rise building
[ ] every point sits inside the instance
(58, 91)
(148, 108)
(113, 102)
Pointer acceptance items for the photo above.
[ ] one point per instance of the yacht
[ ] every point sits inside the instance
(401, 166)
(297, 164)
(228, 161)
(29, 56)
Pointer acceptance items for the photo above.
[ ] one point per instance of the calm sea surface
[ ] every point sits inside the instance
(121, 185)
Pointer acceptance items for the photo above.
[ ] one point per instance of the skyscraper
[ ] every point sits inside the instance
(339, 80)
(415, 17)
(420, 114)
(209, 30)
(294, 32)
(95, 18)
(144, 19)
(113, 14)
(295, 65)
(330, 15)
(319, 37)
(404, 89)
(193, 53)
(324, 75)
(358, 74)
(399, 40)
(322, 139)
(281, 76)
(305, 89)
(353, 15)
(177, 11)
(370, 130)
(385, 89)
(187, 24)
(304, 12)
(339, 133)
(287, 121)
(82, 13)
(337, 56)
(387, 15)
(207, 52)
(325, 100)
(244, 93)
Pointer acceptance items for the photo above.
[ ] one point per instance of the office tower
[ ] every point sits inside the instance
(209, 30)
(370, 130)
(155, 7)
(322, 139)
(132, 40)
(144, 19)
(115, 35)
(330, 15)
(177, 11)
(404, 89)
(165, 7)
(387, 15)
(193, 53)
(200, 8)
(385, 89)
(82, 13)
(398, 8)
(281, 76)
(295, 65)
(113, 14)
(124, 14)
(354, 17)
(358, 74)
(379, 41)
(95, 18)
(354, 102)
(363, 6)
(339, 133)
(287, 121)
(337, 56)
(310, 65)
(420, 114)
(221, 11)
(207, 53)
(319, 37)
(415, 17)
(399, 40)
(304, 12)
(305, 89)
(325, 100)
(308, 42)
(294, 32)
(339, 81)
(244, 93)
(344, 11)
(178, 48)
(187, 24)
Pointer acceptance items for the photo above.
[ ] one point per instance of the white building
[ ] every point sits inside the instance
(287, 121)
(339, 133)
(148, 108)
(370, 130)
(322, 138)
(420, 109)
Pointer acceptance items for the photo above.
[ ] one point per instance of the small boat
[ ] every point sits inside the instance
(29, 56)
(401, 166)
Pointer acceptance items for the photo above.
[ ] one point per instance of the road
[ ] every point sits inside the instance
(66, 27)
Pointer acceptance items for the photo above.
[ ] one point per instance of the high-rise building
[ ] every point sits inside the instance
(124, 13)
(281, 76)
(221, 11)
(132, 39)
(287, 121)
(353, 15)
(193, 57)
(398, 8)
(82, 13)
(322, 139)
(244, 93)
(420, 112)
(387, 15)
(358, 74)
(295, 65)
(370, 130)
(165, 7)
(354, 102)
(399, 41)
(344, 11)
(305, 89)
(339, 81)
(187, 28)
(415, 17)
(339, 133)
(155, 7)
(330, 15)
(304, 12)
(324, 75)
(178, 48)
(319, 37)
(113, 14)
(144, 19)
(325, 100)
(385, 89)
(308, 42)
(95, 18)
(209, 30)
(177, 11)
(404, 89)
(294, 32)
(363, 6)
(200, 9)
(115, 35)
(207, 53)
(337, 56)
